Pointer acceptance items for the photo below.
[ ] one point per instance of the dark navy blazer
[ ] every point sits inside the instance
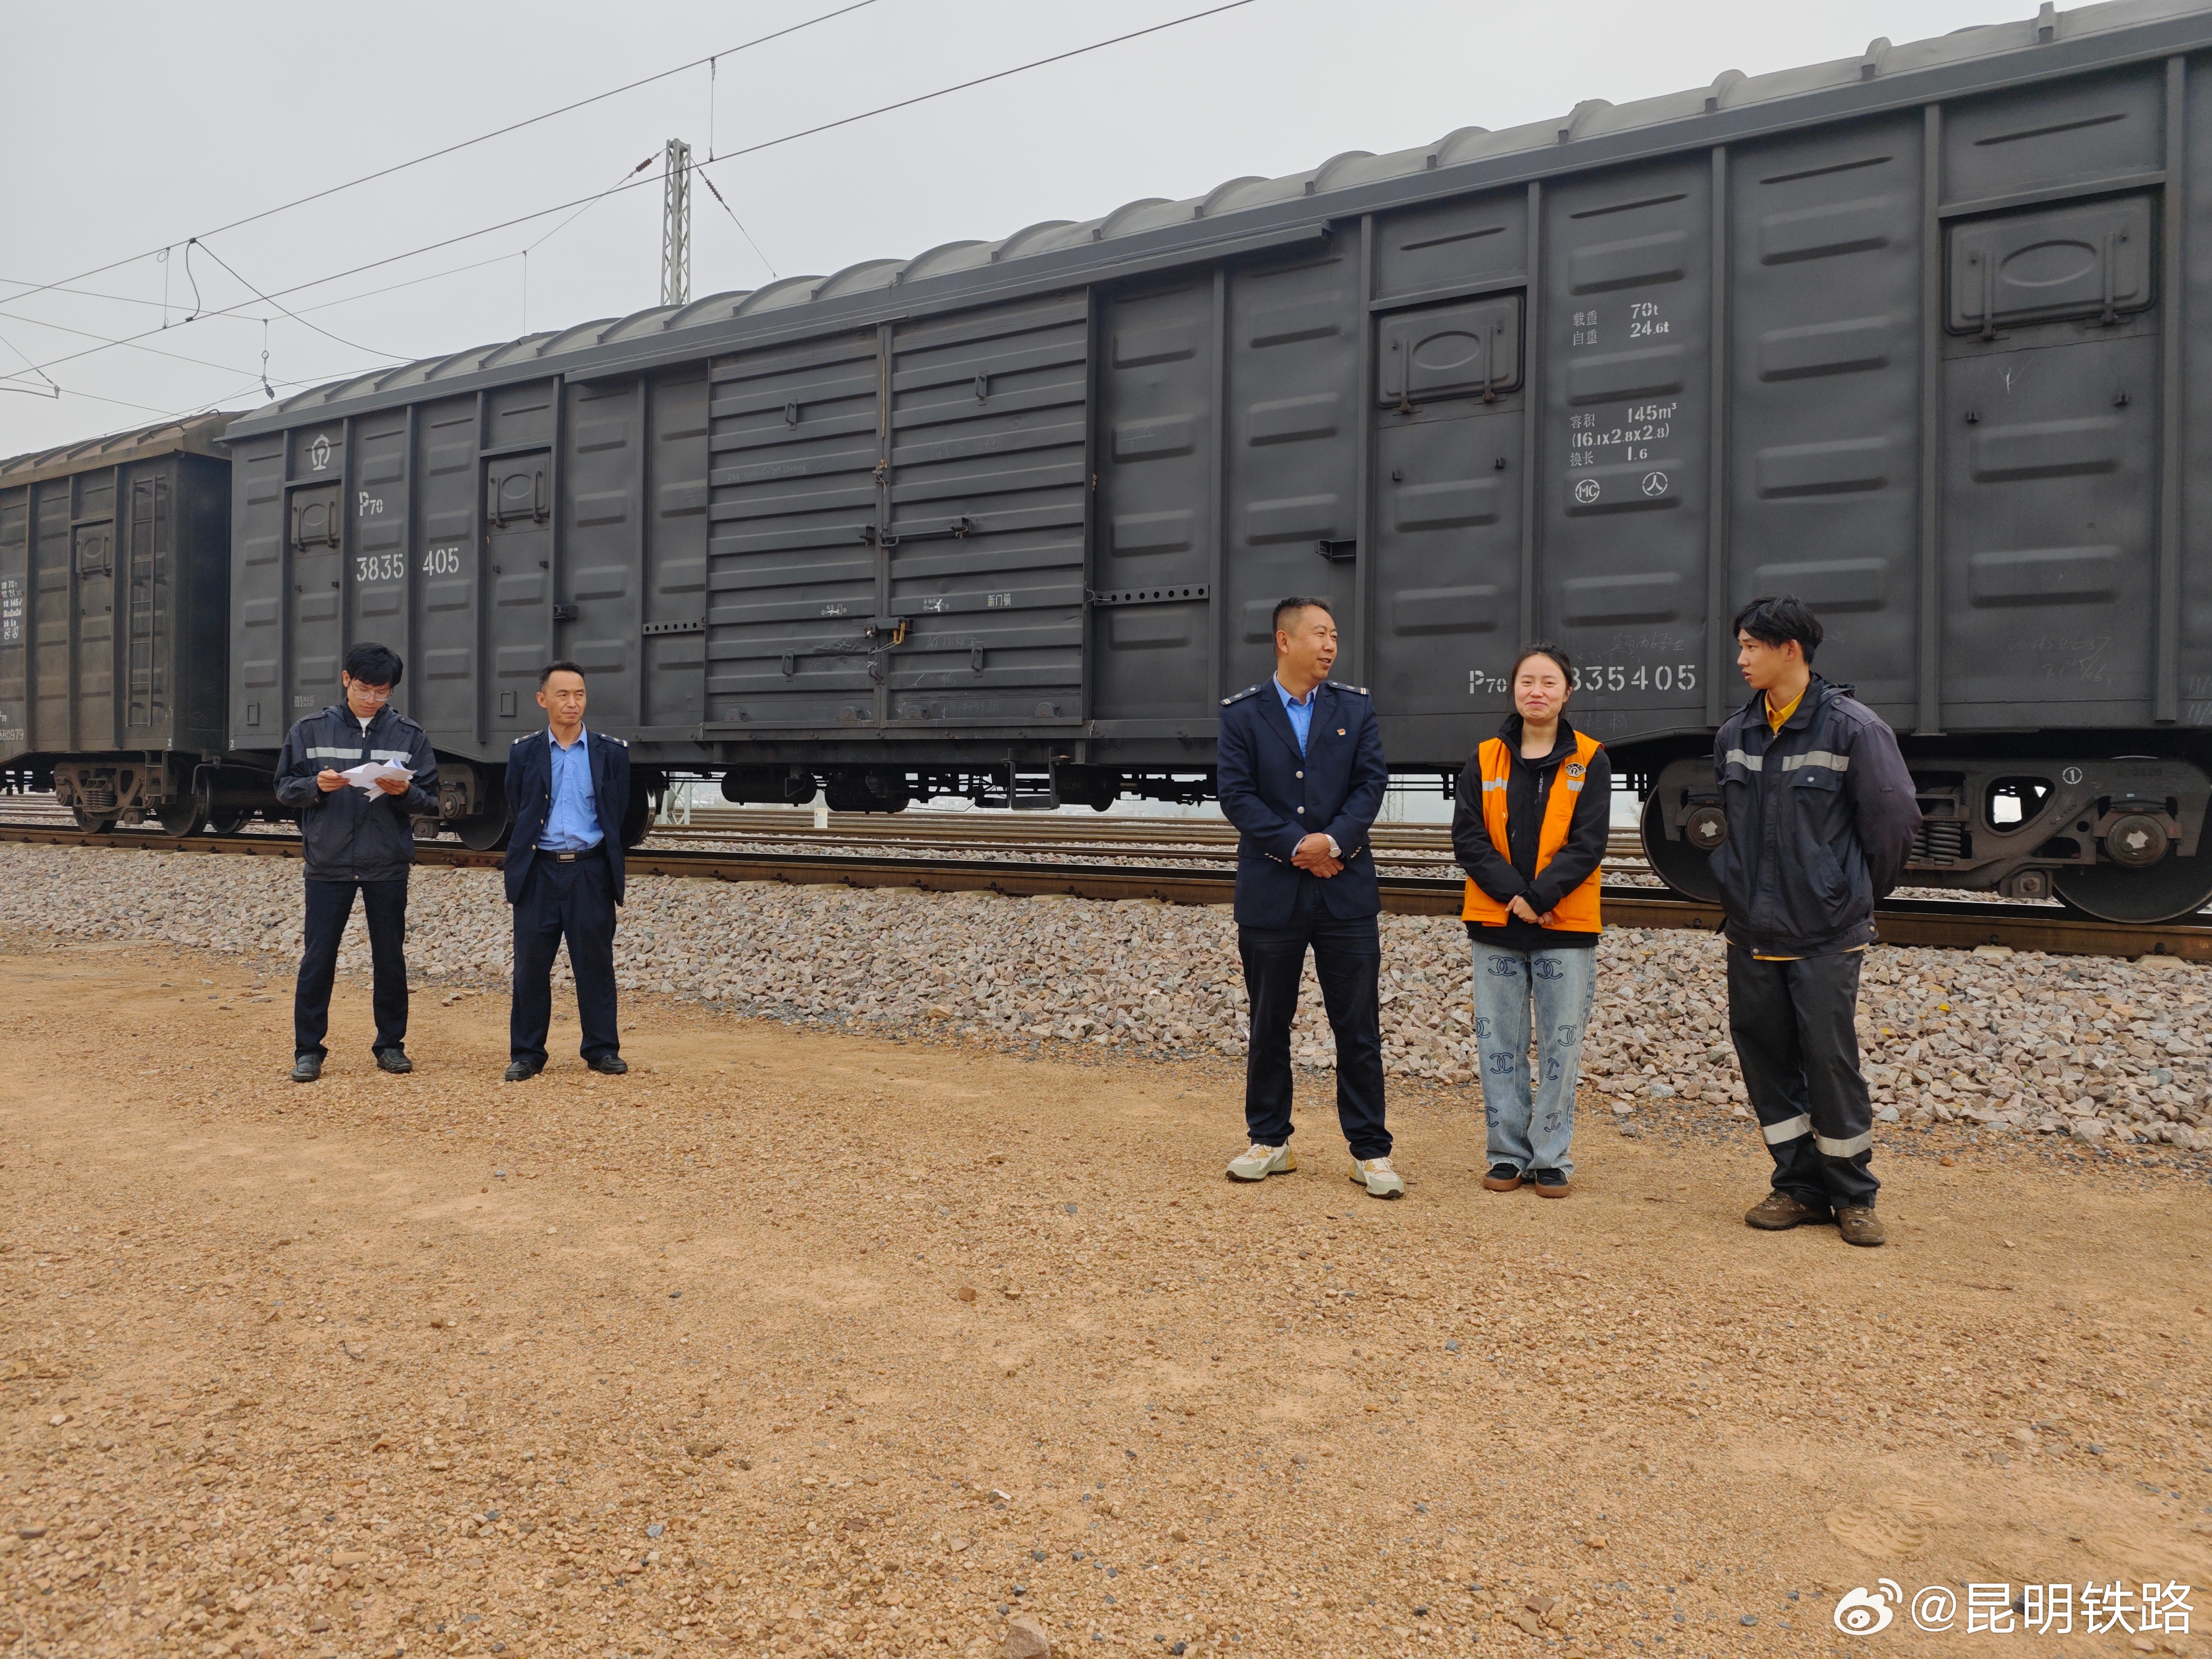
(1277, 797)
(530, 797)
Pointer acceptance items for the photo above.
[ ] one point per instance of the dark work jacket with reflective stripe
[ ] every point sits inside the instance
(351, 835)
(1820, 820)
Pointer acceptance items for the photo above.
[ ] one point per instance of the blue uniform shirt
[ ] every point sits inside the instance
(1301, 714)
(573, 822)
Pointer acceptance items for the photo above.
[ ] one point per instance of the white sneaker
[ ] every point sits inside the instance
(1377, 1176)
(1259, 1162)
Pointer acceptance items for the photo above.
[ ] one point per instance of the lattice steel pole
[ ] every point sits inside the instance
(676, 226)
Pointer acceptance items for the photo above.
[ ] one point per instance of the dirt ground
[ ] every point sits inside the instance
(793, 1343)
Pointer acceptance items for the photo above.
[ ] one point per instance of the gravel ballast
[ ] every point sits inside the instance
(2099, 1049)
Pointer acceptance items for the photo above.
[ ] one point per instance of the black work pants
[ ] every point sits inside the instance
(1796, 1038)
(328, 905)
(575, 902)
(1348, 962)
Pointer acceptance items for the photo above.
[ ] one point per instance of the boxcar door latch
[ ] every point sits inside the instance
(1337, 552)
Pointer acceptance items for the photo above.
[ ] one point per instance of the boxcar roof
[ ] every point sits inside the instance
(1254, 212)
(197, 435)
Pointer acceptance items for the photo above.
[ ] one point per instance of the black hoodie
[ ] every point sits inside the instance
(1504, 874)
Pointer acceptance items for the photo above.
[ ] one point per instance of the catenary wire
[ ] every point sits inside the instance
(769, 143)
(465, 144)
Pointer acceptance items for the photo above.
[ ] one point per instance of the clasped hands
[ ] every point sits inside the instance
(1520, 907)
(1314, 857)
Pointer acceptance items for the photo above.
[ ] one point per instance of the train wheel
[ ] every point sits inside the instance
(102, 824)
(230, 823)
(1677, 863)
(2167, 891)
(484, 833)
(183, 816)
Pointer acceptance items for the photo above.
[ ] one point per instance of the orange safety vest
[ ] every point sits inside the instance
(1577, 912)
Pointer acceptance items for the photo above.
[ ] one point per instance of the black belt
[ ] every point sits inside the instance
(570, 858)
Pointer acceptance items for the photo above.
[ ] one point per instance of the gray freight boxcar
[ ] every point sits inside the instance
(1904, 332)
(114, 593)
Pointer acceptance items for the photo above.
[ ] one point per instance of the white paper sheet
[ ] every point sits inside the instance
(363, 777)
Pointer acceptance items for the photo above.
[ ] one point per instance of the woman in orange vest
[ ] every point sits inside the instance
(1536, 805)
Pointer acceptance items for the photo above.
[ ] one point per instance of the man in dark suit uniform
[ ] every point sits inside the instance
(569, 788)
(1302, 777)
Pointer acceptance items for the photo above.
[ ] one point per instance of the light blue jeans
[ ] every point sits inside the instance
(1531, 1130)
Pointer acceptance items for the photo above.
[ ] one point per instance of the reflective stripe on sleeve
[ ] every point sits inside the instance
(1749, 763)
(1850, 1148)
(1817, 757)
(1788, 1129)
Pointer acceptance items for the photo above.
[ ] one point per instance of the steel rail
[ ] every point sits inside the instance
(1944, 924)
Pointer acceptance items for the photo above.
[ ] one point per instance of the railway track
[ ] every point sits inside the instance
(1941, 923)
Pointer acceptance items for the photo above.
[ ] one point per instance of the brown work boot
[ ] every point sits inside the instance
(1859, 1225)
(1778, 1212)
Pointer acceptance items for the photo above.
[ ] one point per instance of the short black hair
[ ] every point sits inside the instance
(374, 665)
(1778, 619)
(559, 666)
(1283, 607)
(1541, 648)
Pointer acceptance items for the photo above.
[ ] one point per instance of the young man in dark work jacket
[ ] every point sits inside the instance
(356, 843)
(1821, 815)
(1534, 810)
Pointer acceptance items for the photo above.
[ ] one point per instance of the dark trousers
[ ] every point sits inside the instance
(1796, 1040)
(575, 902)
(1348, 962)
(329, 904)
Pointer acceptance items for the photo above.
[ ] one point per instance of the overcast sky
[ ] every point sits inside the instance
(127, 127)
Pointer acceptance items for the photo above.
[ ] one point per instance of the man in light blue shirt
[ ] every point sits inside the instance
(570, 790)
(573, 825)
(1300, 709)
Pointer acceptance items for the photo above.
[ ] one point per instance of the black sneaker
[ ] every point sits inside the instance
(394, 1060)
(612, 1065)
(306, 1068)
(1502, 1178)
(1550, 1183)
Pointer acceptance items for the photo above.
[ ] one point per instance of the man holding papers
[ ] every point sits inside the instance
(358, 774)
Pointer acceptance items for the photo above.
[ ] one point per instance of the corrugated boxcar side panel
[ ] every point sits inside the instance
(2051, 410)
(54, 616)
(2195, 403)
(146, 574)
(791, 582)
(518, 494)
(315, 546)
(442, 675)
(198, 649)
(602, 480)
(1154, 543)
(379, 568)
(987, 489)
(93, 539)
(258, 593)
(1824, 388)
(1443, 551)
(675, 556)
(15, 621)
(1291, 460)
(1624, 493)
